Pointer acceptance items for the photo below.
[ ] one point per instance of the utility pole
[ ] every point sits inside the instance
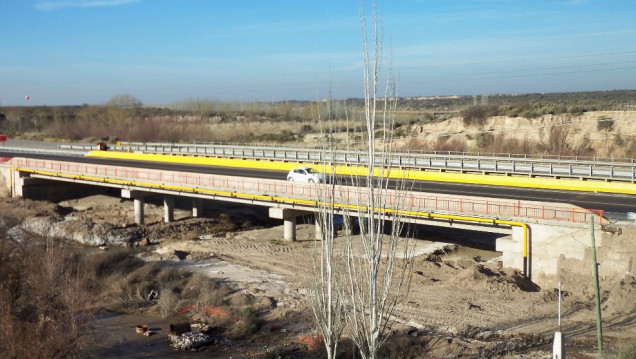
(599, 327)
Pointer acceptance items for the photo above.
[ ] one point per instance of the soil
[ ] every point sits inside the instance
(459, 304)
(582, 131)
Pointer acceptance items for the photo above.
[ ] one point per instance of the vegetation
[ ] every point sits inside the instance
(124, 117)
(354, 293)
(49, 293)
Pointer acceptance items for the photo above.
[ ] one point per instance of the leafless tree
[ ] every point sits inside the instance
(376, 279)
(376, 272)
(327, 296)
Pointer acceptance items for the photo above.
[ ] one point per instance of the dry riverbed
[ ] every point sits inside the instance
(459, 304)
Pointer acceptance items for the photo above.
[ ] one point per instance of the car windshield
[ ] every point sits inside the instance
(311, 170)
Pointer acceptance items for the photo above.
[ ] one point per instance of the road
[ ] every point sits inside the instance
(615, 205)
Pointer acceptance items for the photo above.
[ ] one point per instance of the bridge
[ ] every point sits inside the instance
(538, 234)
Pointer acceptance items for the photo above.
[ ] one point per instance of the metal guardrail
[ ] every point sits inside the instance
(584, 169)
(279, 190)
(21, 150)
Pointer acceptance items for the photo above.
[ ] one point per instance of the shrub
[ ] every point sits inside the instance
(167, 302)
(478, 114)
(114, 261)
(625, 350)
(45, 309)
(484, 139)
(604, 124)
(246, 323)
(313, 342)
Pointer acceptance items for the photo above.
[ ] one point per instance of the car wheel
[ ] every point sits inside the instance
(311, 180)
(290, 179)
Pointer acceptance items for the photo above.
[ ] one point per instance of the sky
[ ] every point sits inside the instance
(74, 52)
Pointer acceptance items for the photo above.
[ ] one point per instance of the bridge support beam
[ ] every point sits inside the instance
(197, 207)
(168, 208)
(138, 198)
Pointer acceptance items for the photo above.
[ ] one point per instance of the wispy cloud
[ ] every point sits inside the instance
(55, 5)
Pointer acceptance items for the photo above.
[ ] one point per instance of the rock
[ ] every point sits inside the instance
(189, 340)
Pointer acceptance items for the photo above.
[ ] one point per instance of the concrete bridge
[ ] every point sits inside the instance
(539, 234)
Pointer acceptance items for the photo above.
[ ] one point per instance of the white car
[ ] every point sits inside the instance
(305, 174)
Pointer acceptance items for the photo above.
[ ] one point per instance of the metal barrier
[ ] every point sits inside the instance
(463, 162)
(292, 192)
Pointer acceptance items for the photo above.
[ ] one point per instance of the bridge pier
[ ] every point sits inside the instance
(168, 208)
(197, 207)
(138, 198)
(288, 216)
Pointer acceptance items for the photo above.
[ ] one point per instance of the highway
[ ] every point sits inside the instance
(615, 205)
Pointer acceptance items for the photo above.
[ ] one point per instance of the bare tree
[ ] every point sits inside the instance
(360, 280)
(376, 279)
(327, 295)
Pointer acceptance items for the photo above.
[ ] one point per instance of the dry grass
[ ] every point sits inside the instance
(45, 308)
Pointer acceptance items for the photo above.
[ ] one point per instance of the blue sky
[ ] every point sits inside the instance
(70, 52)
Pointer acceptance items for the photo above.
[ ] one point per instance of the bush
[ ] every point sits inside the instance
(45, 309)
(625, 350)
(167, 302)
(604, 124)
(478, 114)
(114, 261)
(246, 324)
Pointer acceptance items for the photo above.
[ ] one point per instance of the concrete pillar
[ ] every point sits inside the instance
(289, 221)
(289, 225)
(168, 208)
(197, 207)
(139, 210)
(138, 198)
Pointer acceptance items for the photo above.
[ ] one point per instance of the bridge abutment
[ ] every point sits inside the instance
(554, 249)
